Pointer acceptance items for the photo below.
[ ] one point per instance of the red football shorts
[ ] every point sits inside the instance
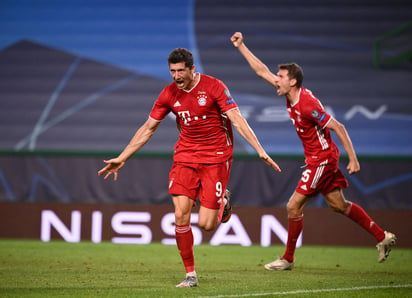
(321, 179)
(207, 182)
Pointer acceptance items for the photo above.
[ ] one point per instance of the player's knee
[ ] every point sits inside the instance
(292, 209)
(289, 208)
(336, 209)
(207, 223)
(178, 215)
(339, 207)
(208, 227)
(181, 217)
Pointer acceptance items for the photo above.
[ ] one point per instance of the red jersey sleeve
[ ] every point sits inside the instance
(161, 106)
(314, 111)
(224, 98)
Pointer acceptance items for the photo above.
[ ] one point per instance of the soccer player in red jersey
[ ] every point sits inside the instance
(205, 112)
(322, 174)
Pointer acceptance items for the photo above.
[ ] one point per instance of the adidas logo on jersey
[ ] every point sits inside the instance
(177, 104)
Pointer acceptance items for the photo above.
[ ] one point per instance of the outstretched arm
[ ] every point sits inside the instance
(255, 63)
(340, 130)
(141, 137)
(241, 125)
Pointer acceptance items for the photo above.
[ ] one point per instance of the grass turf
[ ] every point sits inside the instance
(31, 268)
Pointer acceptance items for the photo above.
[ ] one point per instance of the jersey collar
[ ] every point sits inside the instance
(194, 86)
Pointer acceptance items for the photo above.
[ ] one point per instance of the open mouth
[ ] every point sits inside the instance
(180, 83)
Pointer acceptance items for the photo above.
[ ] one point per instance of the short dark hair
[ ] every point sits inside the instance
(181, 55)
(294, 72)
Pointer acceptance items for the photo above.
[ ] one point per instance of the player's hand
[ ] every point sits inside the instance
(113, 166)
(237, 39)
(269, 161)
(353, 166)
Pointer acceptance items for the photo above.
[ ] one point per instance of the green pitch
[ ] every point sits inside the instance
(36, 269)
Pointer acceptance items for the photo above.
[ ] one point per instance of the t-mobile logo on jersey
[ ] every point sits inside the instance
(185, 116)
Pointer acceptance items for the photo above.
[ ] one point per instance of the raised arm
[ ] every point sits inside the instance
(141, 137)
(343, 136)
(255, 63)
(243, 128)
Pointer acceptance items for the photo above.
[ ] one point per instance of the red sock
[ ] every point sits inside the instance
(358, 215)
(295, 227)
(184, 241)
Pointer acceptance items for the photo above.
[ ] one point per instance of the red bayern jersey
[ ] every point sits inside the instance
(310, 120)
(205, 131)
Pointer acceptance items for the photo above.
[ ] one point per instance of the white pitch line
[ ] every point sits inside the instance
(314, 291)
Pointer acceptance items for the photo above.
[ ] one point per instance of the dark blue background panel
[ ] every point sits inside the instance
(382, 184)
(83, 76)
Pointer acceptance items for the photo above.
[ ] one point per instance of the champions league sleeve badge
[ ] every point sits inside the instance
(315, 114)
(229, 100)
(228, 93)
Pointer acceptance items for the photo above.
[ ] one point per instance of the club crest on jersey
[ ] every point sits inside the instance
(227, 93)
(315, 114)
(202, 100)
